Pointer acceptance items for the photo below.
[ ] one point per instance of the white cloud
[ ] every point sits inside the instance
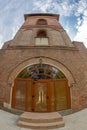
(81, 6)
(54, 6)
(82, 32)
(42, 5)
(82, 22)
(1, 38)
(11, 19)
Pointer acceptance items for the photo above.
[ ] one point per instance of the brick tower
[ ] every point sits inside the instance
(41, 69)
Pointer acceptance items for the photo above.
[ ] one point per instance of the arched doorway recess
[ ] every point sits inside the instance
(41, 88)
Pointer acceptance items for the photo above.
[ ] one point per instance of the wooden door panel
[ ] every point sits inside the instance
(61, 95)
(52, 96)
(20, 95)
(40, 96)
(29, 95)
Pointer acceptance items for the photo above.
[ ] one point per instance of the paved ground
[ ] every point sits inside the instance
(77, 121)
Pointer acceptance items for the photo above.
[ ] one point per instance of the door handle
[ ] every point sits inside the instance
(32, 109)
(47, 97)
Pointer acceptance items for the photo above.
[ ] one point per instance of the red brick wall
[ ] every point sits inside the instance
(73, 57)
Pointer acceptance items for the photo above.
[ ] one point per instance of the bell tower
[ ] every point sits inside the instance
(41, 30)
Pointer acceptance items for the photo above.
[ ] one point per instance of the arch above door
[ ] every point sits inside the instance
(45, 60)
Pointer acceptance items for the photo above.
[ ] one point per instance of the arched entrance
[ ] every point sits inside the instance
(41, 88)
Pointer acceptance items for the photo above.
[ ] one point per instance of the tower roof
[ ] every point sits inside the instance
(41, 14)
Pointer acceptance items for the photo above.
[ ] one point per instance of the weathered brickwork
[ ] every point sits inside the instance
(71, 55)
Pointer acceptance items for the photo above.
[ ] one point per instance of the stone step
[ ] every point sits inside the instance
(41, 120)
(41, 125)
(40, 117)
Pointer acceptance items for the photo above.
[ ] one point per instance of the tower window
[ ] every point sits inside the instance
(41, 38)
(41, 22)
(41, 34)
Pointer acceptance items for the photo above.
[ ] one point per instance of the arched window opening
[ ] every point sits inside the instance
(41, 71)
(41, 34)
(41, 39)
(41, 22)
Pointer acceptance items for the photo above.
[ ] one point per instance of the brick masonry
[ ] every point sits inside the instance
(69, 57)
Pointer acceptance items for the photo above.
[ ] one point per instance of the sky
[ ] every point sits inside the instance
(73, 16)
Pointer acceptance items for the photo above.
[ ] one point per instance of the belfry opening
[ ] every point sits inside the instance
(41, 88)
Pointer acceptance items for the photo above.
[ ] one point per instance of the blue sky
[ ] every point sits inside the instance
(73, 16)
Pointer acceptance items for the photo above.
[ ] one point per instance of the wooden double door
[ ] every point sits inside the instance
(41, 95)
